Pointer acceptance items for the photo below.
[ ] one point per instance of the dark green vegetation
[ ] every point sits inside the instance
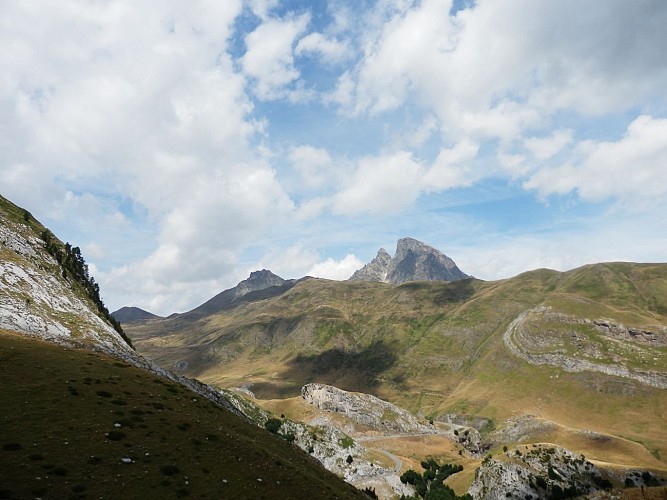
(430, 485)
(74, 267)
(77, 424)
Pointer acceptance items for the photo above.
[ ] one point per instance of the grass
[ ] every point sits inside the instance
(442, 346)
(78, 424)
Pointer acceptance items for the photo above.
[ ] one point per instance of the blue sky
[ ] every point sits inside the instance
(184, 145)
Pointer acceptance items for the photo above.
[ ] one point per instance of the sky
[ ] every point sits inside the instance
(183, 145)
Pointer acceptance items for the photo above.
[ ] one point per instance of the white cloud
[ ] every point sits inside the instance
(382, 184)
(544, 148)
(631, 169)
(313, 164)
(269, 57)
(452, 168)
(328, 49)
(500, 68)
(336, 269)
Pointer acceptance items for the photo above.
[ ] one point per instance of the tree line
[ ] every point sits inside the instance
(74, 268)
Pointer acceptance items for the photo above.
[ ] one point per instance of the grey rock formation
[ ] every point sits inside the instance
(376, 270)
(534, 472)
(365, 409)
(413, 261)
(520, 342)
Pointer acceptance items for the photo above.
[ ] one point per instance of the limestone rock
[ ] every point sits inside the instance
(376, 270)
(365, 409)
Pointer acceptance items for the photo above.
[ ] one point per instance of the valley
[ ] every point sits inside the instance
(574, 360)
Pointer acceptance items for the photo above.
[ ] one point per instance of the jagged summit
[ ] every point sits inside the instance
(413, 261)
(375, 270)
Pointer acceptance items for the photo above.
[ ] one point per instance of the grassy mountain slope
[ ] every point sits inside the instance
(80, 424)
(84, 415)
(439, 347)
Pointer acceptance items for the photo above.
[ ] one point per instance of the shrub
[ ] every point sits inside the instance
(349, 459)
(273, 425)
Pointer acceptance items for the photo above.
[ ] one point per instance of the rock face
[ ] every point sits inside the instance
(36, 300)
(376, 270)
(525, 345)
(413, 261)
(365, 409)
(536, 472)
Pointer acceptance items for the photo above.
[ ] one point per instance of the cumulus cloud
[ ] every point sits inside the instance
(313, 164)
(125, 100)
(631, 169)
(544, 148)
(327, 49)
(336, 269)
(269, 56)
(452, 168)
(382, 184)
(499, 68)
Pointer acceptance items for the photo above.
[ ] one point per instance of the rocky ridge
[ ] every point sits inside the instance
(523, 345)
(365, 409)
(413, 261)
(329, 445)
(132, 314)
(537, 472)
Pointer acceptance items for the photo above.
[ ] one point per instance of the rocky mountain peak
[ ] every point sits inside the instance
(376, 270)
(264, 277)
(413, 261)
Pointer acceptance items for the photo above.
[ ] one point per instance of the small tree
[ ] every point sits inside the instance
(349, 459)
(273, 425)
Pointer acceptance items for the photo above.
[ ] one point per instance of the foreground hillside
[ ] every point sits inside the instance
(79, 424)
(85, 416)
(585, 350)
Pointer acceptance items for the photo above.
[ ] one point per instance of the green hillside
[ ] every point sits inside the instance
(438, 347)
(78, 424)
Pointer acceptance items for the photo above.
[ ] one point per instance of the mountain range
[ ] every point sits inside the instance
(576, 359)
(410, 360)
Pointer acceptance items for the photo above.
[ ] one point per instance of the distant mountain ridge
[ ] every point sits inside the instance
(413, 261)
(132, 314)
(259, 285)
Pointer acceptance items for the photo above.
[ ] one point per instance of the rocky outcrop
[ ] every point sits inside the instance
(522, 345)
(413, 261)
(536, 472)
(36, 300)
(376, 270)
(519, 429)
(366, 410)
